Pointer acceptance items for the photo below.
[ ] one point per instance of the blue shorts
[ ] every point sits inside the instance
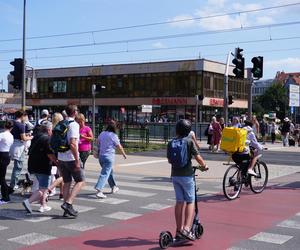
(44, 180)
(184, 187)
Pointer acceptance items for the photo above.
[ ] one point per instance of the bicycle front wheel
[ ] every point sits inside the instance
(232, 182)
(259, 182)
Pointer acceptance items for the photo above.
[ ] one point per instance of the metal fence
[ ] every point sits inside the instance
(152, 131)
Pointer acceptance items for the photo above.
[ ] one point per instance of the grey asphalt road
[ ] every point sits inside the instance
(141, 192)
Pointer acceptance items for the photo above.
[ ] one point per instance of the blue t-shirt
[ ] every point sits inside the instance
(18, 129)
(108, 142)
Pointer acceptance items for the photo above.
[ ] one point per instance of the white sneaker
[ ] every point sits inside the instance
(53, 192)
(251, 172)
(115, 189)
(44, 209)
(27, 206)
(100, 195)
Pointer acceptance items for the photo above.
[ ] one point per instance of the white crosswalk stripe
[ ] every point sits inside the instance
(124, 192)
(271, 238)
(31, 239)
(122, 215)
(135, 185)
(81, 226)
(289, 224)
(155, 206)
(112, 201)
(3, 228)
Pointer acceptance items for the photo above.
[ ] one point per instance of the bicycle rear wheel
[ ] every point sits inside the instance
(259, 182)
(232, 182)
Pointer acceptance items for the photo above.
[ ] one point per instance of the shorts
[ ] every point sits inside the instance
(184, 187)
(67, 169)
(43, 180)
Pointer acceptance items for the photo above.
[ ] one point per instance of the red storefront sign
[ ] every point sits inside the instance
(216, 102)
(169, 101)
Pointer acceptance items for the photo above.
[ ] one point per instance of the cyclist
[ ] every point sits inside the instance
(252, 142)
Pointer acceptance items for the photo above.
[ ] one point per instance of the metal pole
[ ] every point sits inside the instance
(197, 118)
(24, 62)
(250, 78)
(94, 107)
(226, 89)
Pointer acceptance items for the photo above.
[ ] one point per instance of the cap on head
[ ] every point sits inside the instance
(286, 119)
(45, 112)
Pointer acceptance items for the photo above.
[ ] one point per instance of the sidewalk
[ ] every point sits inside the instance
(226, 223)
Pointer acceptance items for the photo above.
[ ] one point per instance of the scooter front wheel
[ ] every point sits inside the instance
(165, 239)
(199, 231)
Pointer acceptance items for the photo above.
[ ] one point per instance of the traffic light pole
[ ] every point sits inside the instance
(226, 89)
(23, 85)
(197, 116)
(250, 78)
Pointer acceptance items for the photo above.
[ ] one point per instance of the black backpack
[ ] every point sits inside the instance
(59, 140)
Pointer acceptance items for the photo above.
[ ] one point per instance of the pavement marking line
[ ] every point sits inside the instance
(137, 185)
(111, 201)
(156, 206)
(31, 239)
(3, 228)
(56, 205)
(289, 224)
(124, 192)
(121, 215)
(236, 248)
(141, 163)
(271, 238)
(81, 226)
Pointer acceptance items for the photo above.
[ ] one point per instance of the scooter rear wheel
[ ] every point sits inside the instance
(165, 239)
(199, 231)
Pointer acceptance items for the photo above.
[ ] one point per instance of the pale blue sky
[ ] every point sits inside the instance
(50, 17)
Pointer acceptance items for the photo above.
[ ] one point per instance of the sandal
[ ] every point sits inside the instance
(188, 234)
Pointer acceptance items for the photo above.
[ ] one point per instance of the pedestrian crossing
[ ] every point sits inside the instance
(137, 195)
(283, 236)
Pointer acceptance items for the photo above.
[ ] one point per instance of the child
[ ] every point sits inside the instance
(180, 152)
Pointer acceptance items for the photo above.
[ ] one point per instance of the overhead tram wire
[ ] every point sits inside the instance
(155, 23)
(134, 40)
(160, 49)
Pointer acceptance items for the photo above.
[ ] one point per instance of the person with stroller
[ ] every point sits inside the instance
(182, 177)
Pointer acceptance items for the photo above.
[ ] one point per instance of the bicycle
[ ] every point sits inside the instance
(237, 175)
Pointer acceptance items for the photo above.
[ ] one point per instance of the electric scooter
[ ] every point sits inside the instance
(166, 239)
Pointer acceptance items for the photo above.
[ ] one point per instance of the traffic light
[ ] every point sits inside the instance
(257, 69)
(230, 99)
(17, 73)
(239, 62)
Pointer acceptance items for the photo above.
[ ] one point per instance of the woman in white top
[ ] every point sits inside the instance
(6, 140)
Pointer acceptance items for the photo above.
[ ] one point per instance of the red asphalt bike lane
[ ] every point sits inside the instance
(225, 222)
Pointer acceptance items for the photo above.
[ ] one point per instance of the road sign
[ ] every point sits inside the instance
(147, 108)
(294, 95)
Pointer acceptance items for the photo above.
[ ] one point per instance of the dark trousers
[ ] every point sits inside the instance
(273, 137)
(5, 189)
(83, 156)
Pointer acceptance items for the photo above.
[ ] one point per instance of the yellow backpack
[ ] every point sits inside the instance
(233, 139)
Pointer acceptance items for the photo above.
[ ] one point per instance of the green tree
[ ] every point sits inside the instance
(274, 99)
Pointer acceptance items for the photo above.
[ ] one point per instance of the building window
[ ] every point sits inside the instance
(59, 86)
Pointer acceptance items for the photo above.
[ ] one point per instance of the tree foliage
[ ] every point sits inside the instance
(274, 99)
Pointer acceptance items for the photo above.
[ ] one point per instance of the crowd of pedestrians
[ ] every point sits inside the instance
(49, 167)
(288, 131)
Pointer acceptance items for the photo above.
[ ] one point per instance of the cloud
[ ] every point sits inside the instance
(159, 45)
(182, 24)
(214, 7)
(290, 64)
